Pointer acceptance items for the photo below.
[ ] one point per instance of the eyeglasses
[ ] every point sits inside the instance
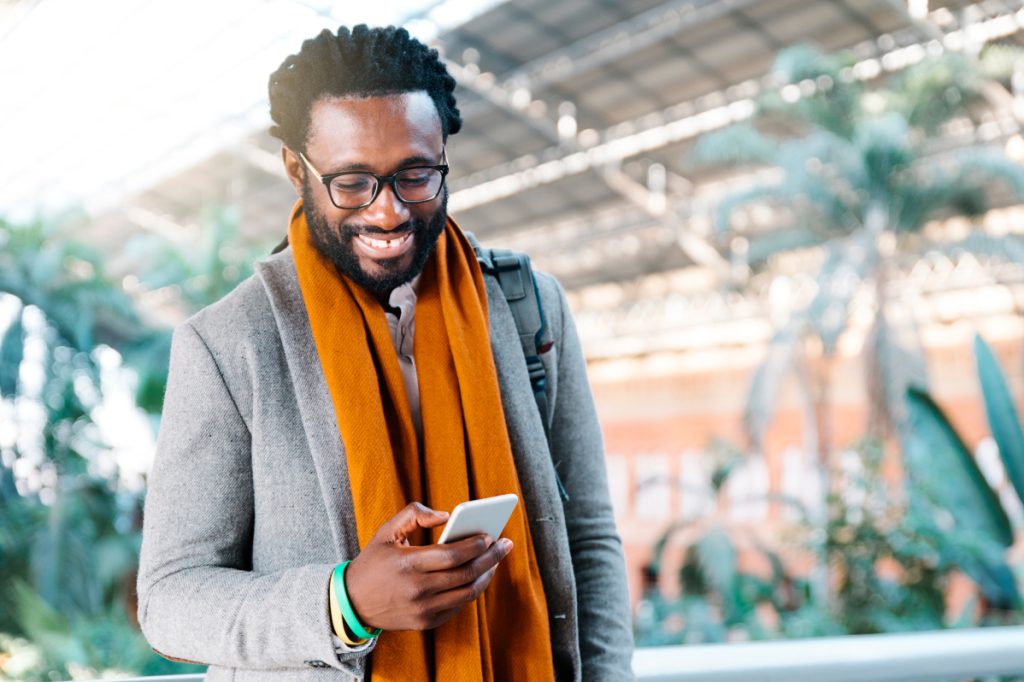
(350, 190)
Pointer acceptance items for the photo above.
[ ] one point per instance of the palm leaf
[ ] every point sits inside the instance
(834, 108)
(848, 264)
(893, 362)
(62, 560)
(939, 460)
(826, 173)
(946, 480)
(822, 175)
(738, 144)
(46, 626)
(65, 280)
(658, 553)
(936, 90)
(12, 350)
(763, 246)
(766, 384)
(882, 144)
(717, 558)
(1002, 414)
(962, 184)
(995, 579)
(1007, 248)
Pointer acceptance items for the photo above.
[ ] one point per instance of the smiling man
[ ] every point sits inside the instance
(380, 245)
(322, 419)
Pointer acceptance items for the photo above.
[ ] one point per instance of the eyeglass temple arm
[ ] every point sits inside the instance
(311, 166)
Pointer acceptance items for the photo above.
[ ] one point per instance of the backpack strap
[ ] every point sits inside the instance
(515, 277)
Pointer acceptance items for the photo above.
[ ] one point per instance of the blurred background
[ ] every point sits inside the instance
(790, 231)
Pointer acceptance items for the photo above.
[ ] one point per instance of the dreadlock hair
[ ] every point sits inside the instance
(358, 63)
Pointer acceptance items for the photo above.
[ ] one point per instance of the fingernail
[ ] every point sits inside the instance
(506, 544)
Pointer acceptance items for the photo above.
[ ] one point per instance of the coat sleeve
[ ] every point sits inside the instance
(199, 599)
(606, 636)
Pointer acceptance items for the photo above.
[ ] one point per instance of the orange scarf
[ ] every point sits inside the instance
(504, 634)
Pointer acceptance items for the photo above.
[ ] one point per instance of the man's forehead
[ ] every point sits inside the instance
(377, 132)
(415, 110)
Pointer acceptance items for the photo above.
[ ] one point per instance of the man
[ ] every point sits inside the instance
(321, 419)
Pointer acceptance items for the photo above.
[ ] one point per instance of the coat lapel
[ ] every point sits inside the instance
(535, 467)
(526, 432)
(316, 410)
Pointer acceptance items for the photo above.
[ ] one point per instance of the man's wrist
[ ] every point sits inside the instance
(348, 614)
(338, 621)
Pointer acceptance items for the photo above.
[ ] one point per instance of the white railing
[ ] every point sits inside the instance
(917, 657)
(913, 657)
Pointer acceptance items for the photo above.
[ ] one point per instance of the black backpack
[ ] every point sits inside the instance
(515, 276)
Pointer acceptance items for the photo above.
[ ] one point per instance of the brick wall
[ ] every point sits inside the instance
(659, 415)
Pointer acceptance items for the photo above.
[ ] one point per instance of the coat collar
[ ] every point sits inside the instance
(281, 282)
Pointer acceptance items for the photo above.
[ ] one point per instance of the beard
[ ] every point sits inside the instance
(335, 244)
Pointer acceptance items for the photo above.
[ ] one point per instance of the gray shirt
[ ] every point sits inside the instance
(403, 326)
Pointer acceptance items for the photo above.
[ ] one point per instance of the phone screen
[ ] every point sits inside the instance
(486, 516)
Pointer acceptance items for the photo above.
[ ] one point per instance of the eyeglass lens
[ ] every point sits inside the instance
(412, 185)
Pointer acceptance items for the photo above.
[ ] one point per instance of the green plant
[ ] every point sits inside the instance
(197, 270)
(69, 534)
(952, 488)
(889, 560)
(862, 172)
(715, 599)
(891, 556)
(63, 308)
(889, 563)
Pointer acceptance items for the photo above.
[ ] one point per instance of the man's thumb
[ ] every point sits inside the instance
(412, 517)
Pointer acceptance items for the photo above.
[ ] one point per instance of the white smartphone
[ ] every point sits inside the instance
(486, 516)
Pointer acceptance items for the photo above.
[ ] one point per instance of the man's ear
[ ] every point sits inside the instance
(293, 168)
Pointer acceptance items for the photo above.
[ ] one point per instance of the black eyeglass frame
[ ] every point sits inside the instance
(381, 179)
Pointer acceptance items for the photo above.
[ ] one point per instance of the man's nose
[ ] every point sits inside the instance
(387, 211)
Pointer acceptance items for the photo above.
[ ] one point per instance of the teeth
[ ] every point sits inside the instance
(385, 244)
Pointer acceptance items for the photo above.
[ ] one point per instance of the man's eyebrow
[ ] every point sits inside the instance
(417, 160)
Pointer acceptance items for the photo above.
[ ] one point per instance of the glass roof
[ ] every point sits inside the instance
(103, 99)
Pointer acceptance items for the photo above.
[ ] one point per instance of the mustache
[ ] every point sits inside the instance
(410, 226)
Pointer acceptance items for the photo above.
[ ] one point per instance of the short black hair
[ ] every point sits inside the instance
(360, 62)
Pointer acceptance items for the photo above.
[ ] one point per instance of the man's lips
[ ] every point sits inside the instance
(384, 245)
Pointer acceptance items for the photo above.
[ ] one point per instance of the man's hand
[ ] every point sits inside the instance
(395, 586)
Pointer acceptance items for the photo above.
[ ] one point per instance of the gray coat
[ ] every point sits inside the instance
(249, 507)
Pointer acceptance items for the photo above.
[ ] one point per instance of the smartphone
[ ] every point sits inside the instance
(486, 516)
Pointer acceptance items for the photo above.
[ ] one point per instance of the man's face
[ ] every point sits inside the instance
(387, 243)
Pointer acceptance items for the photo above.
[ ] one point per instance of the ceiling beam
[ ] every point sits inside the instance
(612, 44)
(698, 249)
(570, 240)
(998, 97)
(677, 123)
(620, 40)
(501, 97)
